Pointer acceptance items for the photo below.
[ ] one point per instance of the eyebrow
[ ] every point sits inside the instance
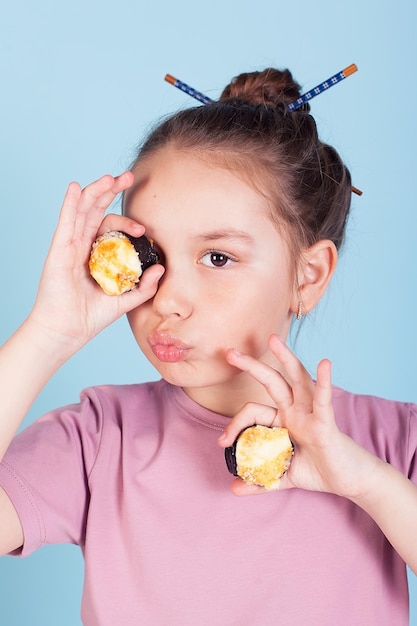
(231, 234)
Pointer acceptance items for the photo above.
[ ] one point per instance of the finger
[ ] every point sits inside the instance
(150, 279)
(295, 373)
(101, 193)
(65, 228)
(72, 216)
(147, 288)
(95, 200)
(123, 182)
(322, 400)
(251, 414)
(240, 488)
(120, 223)
(273, 381)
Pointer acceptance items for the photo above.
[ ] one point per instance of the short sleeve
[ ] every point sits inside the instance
(45, 473)
(412, 443)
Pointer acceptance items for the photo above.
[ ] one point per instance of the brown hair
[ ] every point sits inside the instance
(250, 130)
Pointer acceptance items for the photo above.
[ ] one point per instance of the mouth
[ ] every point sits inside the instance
(168, 348)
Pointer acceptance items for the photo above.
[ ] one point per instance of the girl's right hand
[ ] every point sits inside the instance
(70, 308)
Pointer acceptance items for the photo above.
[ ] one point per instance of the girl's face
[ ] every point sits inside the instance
(228, 281)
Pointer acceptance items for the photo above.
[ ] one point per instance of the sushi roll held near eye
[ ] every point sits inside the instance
(117, 261)
(260, 455)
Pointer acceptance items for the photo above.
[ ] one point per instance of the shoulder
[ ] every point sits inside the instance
(388, 428)
(104, 416)
(109, 402)
(100, 409)
(121, 395)
(384, 408)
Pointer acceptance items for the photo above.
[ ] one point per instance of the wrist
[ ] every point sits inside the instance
(40, 337)
(356, 472)
(28, 360)
(376, 484)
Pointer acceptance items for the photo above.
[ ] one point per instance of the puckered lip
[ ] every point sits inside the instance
(168, 348)
(166, 339)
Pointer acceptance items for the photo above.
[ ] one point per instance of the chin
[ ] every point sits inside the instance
(192, 376)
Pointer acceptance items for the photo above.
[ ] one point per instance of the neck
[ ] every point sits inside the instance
(229, 397)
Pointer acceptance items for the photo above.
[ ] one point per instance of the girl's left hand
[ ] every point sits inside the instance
(325, 459)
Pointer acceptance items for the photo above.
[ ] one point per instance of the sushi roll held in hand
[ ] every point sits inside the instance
(117, 261)
(260, 455)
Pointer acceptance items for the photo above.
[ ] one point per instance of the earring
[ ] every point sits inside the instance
(300, 310)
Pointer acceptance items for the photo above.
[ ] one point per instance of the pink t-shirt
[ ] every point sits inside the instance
(133, 474)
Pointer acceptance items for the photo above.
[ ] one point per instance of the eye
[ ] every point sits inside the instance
(215, 258)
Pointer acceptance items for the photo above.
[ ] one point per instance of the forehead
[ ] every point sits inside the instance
(193, 185)
(185, 202)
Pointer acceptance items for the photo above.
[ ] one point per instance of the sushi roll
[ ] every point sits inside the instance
(260, 455)
(117, 261)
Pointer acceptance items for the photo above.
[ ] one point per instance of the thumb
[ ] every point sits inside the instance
(147, 288)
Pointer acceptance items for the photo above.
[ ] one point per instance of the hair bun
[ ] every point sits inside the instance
(269, 87)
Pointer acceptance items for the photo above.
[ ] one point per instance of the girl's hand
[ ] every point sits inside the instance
(70, 307)
(325, 459)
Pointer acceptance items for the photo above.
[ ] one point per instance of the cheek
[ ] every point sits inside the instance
(137, 321)
(231, 329)
(266, 310)
(262, 300)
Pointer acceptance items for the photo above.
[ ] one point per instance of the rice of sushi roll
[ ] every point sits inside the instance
(117, 261)
(260, 455)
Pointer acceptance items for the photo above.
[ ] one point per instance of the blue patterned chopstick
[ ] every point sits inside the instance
(326, 84)
(333, 80)
(187, 89)
(293, 106)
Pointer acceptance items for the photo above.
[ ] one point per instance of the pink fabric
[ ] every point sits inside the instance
(133, 475)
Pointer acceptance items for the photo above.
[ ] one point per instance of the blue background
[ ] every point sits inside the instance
(83, 81)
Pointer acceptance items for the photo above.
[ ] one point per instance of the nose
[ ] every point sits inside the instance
(174, 295)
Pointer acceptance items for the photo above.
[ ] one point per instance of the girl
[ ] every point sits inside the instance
(247, 209)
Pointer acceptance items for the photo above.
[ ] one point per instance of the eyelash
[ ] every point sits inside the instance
(212, 253)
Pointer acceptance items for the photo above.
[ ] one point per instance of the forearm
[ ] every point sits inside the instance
(27, 361)
(392, 503)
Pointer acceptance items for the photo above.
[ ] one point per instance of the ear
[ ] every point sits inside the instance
(314, 274)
